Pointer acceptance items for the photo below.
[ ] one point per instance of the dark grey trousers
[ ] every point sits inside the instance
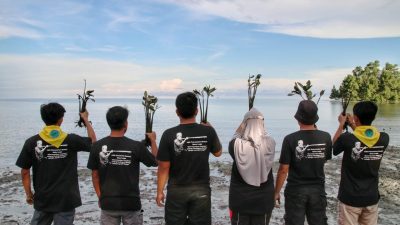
(46, 218)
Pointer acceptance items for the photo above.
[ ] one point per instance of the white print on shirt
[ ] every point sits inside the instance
(39, 150)
(189, 144)
(312, 151)
(115, 157)
(368, 154)
(104, 154)
(356, 151)
(51, 153)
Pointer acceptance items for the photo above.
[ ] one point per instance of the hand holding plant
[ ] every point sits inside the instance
(86, 96)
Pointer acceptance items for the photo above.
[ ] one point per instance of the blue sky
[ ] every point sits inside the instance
(122, 48)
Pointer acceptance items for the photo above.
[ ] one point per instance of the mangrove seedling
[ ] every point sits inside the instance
(304, 91)
(252, 82)
(87, 95)
(150, 106)
(345, 102)
(206, 92)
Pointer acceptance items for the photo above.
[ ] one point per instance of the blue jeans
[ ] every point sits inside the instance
(305, 202)
(59, 218)
(189, 205)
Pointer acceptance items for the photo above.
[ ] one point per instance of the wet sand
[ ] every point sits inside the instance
(14, 210)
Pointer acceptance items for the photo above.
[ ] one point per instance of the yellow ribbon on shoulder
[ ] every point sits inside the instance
(53, 135)
(368, 135)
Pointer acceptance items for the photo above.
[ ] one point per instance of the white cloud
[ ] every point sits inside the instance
(321, 19)
(171, 85)
(59, 76)
(16, 31)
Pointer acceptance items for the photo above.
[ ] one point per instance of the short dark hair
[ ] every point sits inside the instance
(51, 113)
(116, 117)
(365, 111)
(186, 104)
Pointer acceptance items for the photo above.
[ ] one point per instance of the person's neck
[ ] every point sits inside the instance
(117, 133)
(187, 120)
(307, 127)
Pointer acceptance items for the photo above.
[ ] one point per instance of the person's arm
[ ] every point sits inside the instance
(280, 180)
(26, 182)
(162, 178)
(89, 127)
(350, 120)
(342, 120)
(96, 182)
(153, 137)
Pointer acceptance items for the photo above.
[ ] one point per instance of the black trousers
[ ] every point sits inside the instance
(190, 205)
(304, 203)
(249, 219)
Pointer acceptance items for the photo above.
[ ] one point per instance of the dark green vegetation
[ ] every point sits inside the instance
(252, 82)
(370, 83)
(86, 96)
(202, 95)
(304, 91)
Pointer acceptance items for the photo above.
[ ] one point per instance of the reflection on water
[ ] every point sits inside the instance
(21, 119)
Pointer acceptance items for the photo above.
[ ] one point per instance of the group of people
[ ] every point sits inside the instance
(182, 157)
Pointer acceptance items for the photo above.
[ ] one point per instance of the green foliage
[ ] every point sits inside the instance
(371, 83)
(150, 106)
(253, 82)
(206, 92)
(86, 96)
(304, 91)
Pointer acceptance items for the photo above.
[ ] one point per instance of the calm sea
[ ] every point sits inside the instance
(20, 119)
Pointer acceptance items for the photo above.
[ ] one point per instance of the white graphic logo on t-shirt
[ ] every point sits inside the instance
(51, 151)
(104, 154)
(189, 144)
(356, 151)
(311, 151)
(365, 153)
(115, 157)
(39, 150)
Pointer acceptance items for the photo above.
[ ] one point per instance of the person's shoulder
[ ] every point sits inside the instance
(322, 132)
(270, 139)
(33, 138)
(384, 136)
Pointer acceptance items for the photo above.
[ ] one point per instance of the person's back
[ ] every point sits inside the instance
(302, 159)
(52, 154)
(251, 190)
(362, 154)
(115, 164)
(183, 162)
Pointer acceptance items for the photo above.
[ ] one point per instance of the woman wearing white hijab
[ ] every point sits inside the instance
(251, 191)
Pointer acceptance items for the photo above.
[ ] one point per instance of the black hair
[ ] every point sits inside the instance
(116, 117)
(365, 111)
(186, 104)
(51, 113)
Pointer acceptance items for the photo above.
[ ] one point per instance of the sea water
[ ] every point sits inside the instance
(20, 119)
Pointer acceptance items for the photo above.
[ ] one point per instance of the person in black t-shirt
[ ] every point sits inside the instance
(183, 161)
(52, 155)
(115, 164)
(303, 156)
(362, 154)
(251, 191)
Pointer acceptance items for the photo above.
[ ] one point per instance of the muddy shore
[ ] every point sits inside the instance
(14, 210)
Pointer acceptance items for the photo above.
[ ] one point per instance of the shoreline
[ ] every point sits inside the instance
(14, 210)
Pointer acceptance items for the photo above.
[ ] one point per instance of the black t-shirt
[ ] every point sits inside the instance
(187, 147)
(117, 160)
(55, 176)
(306, 152)
(249, 199)
(360, 166)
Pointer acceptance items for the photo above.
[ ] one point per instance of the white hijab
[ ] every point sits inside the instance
(254, 150)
